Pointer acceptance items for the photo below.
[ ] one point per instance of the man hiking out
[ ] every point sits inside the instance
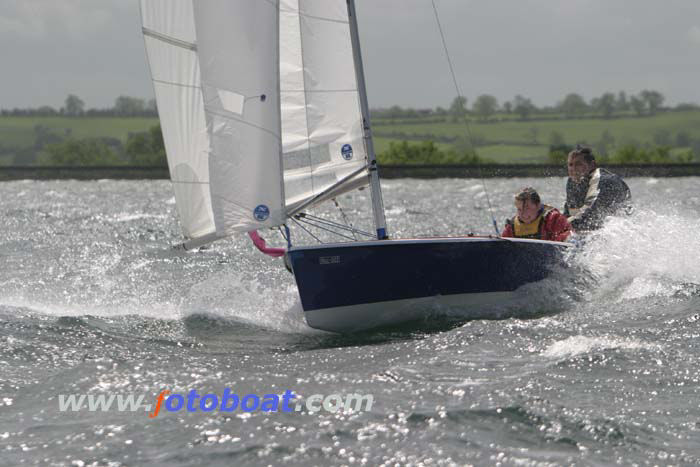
(592, 193)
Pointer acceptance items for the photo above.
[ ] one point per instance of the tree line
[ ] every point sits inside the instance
(74, 106)
(427, 152)
(485, 107)
(50, 149)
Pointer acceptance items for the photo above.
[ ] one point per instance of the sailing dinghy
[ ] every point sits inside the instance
(264, 114)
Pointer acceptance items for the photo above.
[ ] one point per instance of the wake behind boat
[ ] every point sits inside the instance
(264, 115)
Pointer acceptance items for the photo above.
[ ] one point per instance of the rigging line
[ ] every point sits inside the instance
(306, 230)
(317, 222)
(464, 112)
(320, 226)
(282, 233)
(345, 228)
(331, 223)
(303, 215)
(345, 218)
(286, 234)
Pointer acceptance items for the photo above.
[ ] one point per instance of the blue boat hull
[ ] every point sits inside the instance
(354, 286)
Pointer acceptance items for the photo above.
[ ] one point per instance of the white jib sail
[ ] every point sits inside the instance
(238, 48)
(169, 33)
(321, 119)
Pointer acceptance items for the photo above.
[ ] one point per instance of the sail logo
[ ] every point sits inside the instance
(346, 152)
(261, 213)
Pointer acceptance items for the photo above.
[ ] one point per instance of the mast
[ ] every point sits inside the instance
(375, 187)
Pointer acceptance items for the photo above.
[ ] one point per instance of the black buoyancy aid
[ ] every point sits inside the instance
(531, 229)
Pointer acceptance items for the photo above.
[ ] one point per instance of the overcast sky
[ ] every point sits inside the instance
(541, 49)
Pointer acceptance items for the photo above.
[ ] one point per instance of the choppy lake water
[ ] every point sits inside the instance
(596, 367)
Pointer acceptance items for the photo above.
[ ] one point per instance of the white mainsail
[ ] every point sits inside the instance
(259, 106)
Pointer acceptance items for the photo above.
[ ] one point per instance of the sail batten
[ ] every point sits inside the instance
(170, 40)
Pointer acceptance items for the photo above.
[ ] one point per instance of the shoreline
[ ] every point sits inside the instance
(386, 171)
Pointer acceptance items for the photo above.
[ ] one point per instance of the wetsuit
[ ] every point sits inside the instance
(550, 224)
(598, 195)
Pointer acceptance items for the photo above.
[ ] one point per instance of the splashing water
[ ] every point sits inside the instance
(643, 255)
(578, 345)
(241, 298)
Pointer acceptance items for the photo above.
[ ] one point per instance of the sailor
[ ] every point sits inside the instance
(536, 220)
(592, 193)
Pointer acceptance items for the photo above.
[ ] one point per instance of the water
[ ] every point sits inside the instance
(596, 367)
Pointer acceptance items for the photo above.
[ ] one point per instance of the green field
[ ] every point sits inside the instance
(382, 144)
(640, 129)
(508, 154)
(20, 131)
(528, 141)
(503, 141)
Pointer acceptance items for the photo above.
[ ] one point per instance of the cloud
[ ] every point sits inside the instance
(694, 35)
(18, 23)
(540, 49)
(40, 19)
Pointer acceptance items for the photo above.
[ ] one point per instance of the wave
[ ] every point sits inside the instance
(580, 345)
(644, 255)
(236, 296)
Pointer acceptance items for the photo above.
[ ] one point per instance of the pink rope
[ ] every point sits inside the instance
(259, 242)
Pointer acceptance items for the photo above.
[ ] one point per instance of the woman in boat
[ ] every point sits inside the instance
(536, 220)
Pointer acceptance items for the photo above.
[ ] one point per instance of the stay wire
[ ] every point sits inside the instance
(468, 132)
(345, 218)
(321, 227)
(306, 230)
(329, 223)
(283, 234)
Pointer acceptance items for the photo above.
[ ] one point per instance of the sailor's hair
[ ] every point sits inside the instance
(584, 151)
(528, 194)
